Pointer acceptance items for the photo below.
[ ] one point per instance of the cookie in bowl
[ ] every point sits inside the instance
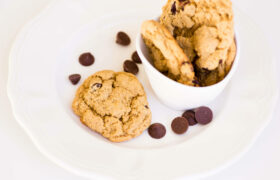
(201, 33)
(168, 56)
(204, 30)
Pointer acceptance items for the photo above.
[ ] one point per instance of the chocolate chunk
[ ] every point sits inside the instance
(123, 39)
(157, 131)
(173, 8)
(180, 125)
(147, 107)
(220, 61)
(165, 73)
(195, 82)
(130, 66)
(190, 116)
(185, 62)
(203, 115)
(74, 78)
(86, 59)
(135, 57)
(96, 86)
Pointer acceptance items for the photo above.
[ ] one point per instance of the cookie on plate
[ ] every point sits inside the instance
(168, 56)
(113, 104)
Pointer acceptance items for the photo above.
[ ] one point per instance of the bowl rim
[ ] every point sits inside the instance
(225, 80)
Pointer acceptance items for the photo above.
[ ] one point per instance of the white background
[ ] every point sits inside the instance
(19, 159)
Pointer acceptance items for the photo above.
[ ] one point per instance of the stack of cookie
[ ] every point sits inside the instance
(194, 41)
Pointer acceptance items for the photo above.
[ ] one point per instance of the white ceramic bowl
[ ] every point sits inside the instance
(176, 95)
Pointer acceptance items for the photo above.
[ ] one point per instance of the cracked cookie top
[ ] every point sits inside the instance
(205, 26)
(113, 104)
(167, 54)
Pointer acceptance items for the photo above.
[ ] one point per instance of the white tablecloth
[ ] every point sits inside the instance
(19, 159)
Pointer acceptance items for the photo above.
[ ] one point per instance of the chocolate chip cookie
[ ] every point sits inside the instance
(204, 29)
(207, 24)
(113, 104)
(168, 56)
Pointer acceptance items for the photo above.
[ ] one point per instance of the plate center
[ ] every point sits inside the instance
(98, 37)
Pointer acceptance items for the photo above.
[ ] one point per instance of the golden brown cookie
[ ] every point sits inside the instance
(113, 104)
(167, 54)
(187, 46)
(225, 65)
(206, 24)
(208, 78)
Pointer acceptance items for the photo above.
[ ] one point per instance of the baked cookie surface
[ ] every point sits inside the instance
(113, 104)
(204, 29)
(168, 56)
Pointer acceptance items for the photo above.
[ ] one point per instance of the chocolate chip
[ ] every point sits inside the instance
(203, 115)
(195, 82)
(165, 73)
(190, 116)
(123, 39)
(135, 57)
(157, 131)
(130, 66)
(220, 61)
(185, 62)
(180, 125)
(74, 78)
(147, 107)
(173, 8)
(86, 59)
(182, 0)
(96, 86)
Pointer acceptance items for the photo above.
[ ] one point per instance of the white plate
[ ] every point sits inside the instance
(46, 52)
